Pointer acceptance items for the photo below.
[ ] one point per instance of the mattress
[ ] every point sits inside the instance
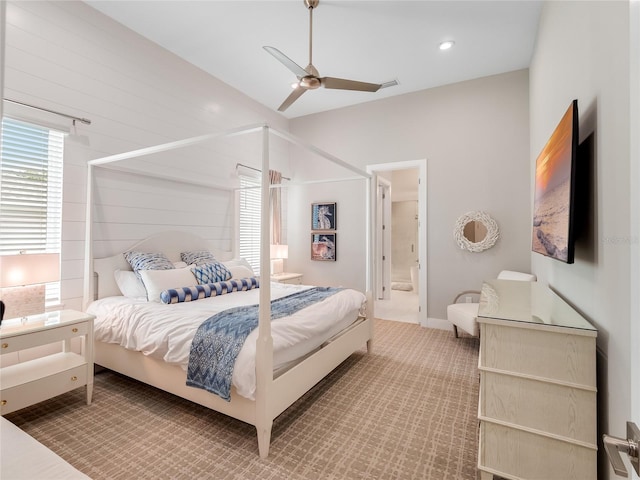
(165, 331)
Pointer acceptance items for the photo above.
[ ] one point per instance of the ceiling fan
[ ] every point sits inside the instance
(309, 78)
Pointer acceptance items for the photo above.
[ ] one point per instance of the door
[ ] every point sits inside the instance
(383, 239)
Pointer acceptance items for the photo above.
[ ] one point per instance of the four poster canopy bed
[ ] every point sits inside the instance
(177, 313)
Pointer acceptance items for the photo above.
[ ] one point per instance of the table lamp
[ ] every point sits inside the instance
(22, 279)
(278, 253)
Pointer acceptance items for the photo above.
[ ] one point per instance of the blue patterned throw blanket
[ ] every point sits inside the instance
(219, 339)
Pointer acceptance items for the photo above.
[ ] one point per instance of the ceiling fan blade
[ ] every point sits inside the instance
(291, 98)
(343, 84)
(287, 62)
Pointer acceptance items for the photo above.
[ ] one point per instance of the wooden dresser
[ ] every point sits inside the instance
(537, 403)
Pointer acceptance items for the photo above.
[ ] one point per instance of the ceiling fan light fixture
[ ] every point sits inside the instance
(446, 45)
(310, 82)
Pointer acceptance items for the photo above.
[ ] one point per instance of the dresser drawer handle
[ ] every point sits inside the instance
(74, 330)
(5, 345)
(74, 378)
(3, 403)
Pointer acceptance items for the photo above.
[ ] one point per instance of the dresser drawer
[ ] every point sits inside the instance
(20, 396)
(34, 339)
(523, 454)
(560, 357)
(556, 409)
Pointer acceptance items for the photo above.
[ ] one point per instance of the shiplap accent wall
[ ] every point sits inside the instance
(68, 57)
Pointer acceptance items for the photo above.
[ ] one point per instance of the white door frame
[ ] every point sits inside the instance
(421, 165)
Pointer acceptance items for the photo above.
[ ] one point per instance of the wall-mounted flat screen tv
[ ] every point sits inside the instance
(554, 197)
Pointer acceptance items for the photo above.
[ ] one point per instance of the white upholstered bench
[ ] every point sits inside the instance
(465, 315)
(23, 457)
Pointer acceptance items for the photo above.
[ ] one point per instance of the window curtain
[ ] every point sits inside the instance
(275, 204)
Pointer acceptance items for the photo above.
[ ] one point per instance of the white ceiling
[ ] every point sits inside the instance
(371, 41)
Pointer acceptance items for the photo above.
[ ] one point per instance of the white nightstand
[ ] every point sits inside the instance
(285, 277)
(33, 381)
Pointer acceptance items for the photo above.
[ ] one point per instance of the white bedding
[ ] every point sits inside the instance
(165, 331)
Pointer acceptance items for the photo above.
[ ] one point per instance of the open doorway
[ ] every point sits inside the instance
(399, 226)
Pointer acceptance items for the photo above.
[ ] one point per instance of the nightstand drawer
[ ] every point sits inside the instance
(30, 393)
(293, 281)
(20, 342)
(287, 277)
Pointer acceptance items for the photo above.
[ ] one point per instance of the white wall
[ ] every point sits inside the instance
(583, 52)
(68, 57)
(475, 135)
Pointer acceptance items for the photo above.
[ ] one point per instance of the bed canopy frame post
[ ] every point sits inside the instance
(87, 281)
(264, 343)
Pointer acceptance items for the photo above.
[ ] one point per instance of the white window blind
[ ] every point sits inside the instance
(249, 219)
(31, 191)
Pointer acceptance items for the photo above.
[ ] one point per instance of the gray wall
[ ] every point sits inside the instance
(583, 52)
(475, 136)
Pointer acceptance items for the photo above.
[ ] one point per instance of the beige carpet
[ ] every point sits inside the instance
(407, 411)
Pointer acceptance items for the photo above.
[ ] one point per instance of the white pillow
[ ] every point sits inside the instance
(179, 264)
(129, 284)
(155, 281)
(240, 271)
(239, 262)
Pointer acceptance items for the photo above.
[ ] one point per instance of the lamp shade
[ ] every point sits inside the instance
(279, 251)
(29, 269)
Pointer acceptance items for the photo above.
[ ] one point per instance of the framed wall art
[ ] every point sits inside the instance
(323, 246)
(323, 216)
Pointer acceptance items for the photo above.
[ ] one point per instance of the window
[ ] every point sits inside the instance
(31, 191)
(249, 219)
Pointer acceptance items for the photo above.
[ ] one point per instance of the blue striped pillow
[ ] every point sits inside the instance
(148, 261)
(198, 258)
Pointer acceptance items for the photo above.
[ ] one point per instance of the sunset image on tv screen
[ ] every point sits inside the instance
(552, 201)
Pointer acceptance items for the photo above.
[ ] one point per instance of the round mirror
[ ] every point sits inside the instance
(476, 231)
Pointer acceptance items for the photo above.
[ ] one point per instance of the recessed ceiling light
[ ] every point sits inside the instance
(446, 45)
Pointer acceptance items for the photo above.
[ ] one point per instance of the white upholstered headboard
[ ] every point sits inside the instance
(171, 243)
